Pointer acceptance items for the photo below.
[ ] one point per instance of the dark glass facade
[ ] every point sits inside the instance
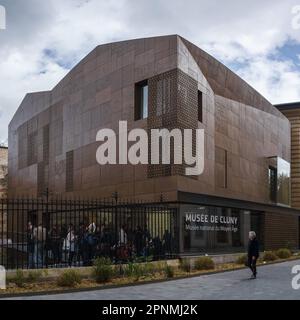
(208, 229)
(280, 181)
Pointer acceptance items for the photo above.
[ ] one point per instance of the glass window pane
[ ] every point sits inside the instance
(280, 181)
(283, 181)
(209, 229)
(145, 102)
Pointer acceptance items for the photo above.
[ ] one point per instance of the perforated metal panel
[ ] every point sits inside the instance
(173, 103)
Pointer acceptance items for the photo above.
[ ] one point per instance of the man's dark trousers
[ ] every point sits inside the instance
(252, 265)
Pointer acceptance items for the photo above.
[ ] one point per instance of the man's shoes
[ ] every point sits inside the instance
(253, 276)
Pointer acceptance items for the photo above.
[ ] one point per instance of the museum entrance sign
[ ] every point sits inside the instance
(208, 229)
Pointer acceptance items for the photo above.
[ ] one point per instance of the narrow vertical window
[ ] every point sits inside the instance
(46, 144)
(200, 106)
(40, 179)
(221, 167)
(32, 149)
(273, 184)
(69, 171)
(141, 100)
(226, 170)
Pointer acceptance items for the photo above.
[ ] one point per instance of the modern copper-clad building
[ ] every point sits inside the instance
(163, 82)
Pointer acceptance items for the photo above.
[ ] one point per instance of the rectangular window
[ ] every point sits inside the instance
(200, 106)
(226, 170)
(69, 171)
(273, 184)
(141, 100)
(40, 179)
(46, 144)
(221, 167)
(279, 176)
(32, 151)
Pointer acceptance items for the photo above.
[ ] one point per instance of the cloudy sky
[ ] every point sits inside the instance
(44, 39)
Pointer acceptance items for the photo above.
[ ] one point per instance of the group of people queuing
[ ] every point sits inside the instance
(80, 245)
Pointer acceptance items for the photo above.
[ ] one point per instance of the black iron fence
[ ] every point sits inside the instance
(37, 233)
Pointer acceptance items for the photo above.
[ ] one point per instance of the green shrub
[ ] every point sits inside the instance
(128, 270)
(19, 279)
(269, 256)
(283, 253)
(185, 265)
(149, 258)
(204, 263)
(34, 276)
(169, 271)
(140, 259)
(138, 270)
(103, 270)
(242, 259)
(159, 266)
(260, 260)
(148, 269)
(69, 278)
(289, 245)
(134, 270)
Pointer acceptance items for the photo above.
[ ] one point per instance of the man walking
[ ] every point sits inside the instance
(253, 253)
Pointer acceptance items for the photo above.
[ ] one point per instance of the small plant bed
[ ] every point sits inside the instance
(104, 276)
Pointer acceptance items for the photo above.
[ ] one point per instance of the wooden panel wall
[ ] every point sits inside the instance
(294, 117)
(281, 231)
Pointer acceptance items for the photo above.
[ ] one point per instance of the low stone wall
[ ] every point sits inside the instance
(86, 272)
(218, 259)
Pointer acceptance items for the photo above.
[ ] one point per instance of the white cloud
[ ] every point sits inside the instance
(240, 33)
(278, 80)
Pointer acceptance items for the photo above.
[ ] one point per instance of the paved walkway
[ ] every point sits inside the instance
(273, 282)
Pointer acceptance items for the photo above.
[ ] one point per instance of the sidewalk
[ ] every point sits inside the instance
(273, 282)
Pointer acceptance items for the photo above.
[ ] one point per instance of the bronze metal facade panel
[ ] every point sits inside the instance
(250, 136)
(99, 92)
(226, 83)
(52, 137)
